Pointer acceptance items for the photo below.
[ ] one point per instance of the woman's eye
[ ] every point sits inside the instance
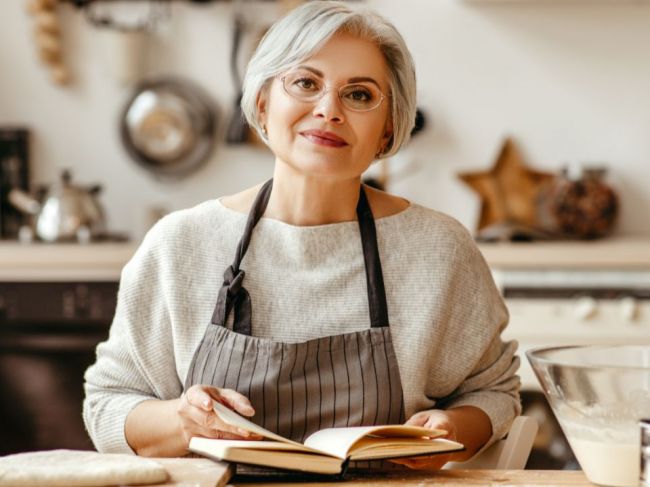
(359, 95)
(306, 84)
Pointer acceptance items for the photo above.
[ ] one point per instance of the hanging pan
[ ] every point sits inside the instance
(168, 127)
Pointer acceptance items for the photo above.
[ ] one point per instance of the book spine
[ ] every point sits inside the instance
(344, 468)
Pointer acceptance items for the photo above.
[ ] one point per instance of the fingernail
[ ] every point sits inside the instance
(206, 403)
(243, 432)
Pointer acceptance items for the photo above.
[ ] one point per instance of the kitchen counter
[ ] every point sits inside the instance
(194, 472)
(454, 477)
(63, 261)
(206, 473)
(631, 253)
(104, 261)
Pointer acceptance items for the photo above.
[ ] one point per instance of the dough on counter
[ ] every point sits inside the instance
(74, 468)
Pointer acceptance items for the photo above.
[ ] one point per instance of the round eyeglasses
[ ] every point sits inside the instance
(306, 87)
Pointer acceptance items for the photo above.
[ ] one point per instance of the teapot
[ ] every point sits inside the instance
(64, 212)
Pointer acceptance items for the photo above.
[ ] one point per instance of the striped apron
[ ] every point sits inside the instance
(296, 389)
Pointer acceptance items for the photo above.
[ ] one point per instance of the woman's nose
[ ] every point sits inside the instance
(329, 107)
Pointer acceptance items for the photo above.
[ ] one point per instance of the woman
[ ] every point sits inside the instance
(339, 304)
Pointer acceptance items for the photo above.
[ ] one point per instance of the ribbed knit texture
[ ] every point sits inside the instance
(445, 312)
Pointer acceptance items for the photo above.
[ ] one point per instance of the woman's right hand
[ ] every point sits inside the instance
(198, 418)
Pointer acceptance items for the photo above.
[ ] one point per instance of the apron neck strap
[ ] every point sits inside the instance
(374, 275)
(256, 212)
(232, 294)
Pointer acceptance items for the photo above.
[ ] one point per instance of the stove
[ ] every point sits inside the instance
(574, 307)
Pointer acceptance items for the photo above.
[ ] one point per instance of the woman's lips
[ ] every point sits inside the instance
(322, 137)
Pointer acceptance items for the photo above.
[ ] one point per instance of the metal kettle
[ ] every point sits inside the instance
(64, 212)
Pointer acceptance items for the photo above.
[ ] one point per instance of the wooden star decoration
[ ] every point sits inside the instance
(509, 190)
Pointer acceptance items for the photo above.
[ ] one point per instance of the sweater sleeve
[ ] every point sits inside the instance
(137, 362)
(490, 364)
(493, 387)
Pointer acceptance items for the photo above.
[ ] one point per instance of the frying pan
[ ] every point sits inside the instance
(168, 127)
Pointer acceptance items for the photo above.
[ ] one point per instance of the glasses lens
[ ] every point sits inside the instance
(360, 97)
(303, 85)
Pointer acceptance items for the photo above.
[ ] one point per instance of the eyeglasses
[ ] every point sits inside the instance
(306, 87)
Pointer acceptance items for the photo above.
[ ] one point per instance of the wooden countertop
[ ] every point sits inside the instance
(195, 472)
(620, 253)
(64, 261)
(200, 472)
(104, 261)
(556, 478)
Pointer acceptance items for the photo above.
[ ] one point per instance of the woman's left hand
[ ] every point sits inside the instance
(432, 419)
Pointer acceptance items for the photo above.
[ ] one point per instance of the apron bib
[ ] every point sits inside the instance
(296, 389)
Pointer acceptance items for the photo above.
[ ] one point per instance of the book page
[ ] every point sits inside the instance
(340, 441)
(337, 442)
(219, 445)
(232, 418)
(266, 453)
(369, 448)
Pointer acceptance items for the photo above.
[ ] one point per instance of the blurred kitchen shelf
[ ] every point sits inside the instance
(63, 261)
(622, 253)
(104, 261)
(560, 2)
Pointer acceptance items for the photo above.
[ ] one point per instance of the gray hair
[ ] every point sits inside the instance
(304, 30)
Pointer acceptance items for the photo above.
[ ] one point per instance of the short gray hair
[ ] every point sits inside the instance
(304, 30)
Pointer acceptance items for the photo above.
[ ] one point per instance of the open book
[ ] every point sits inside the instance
(326, 451)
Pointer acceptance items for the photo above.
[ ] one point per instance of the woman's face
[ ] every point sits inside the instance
(324, 137)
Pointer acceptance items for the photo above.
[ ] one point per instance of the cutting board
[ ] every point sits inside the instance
(197, 472)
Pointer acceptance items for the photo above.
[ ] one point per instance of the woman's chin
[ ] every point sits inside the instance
(327, 168)
(317, 163)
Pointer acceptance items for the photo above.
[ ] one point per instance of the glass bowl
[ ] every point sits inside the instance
(599, 394)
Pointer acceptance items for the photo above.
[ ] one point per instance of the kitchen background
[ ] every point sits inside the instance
(567, 79)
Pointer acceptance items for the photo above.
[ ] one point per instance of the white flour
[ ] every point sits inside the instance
(608, 463)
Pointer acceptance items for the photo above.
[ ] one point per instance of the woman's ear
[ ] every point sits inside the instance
(262, 104)
(387, 136)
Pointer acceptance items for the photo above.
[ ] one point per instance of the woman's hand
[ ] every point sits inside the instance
(163, 428)
(432, 419)
(198, 418)
(468, 425)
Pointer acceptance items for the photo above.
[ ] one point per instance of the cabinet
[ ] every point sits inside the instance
(48, 335)
(56, 305)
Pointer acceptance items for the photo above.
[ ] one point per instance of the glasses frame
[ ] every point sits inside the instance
(322, 93)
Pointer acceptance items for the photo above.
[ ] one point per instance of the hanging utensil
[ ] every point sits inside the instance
(168, 127)
(237, 128)
(123, 28)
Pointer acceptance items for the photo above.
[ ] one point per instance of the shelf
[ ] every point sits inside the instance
(624, 253)
(63, 261)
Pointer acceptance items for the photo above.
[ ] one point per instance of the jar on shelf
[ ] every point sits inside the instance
(579, 204)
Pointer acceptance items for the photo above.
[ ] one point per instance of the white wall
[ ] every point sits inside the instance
(570, 81)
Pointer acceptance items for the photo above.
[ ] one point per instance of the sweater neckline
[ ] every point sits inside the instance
(297, 228)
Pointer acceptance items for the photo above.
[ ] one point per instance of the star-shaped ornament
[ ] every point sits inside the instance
(508, 191)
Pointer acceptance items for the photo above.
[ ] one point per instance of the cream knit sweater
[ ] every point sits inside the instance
(306, 282)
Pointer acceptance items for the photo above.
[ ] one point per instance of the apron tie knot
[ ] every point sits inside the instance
(233, 294)
(233, 281)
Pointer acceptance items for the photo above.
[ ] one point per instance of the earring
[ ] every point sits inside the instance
(266, 134)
